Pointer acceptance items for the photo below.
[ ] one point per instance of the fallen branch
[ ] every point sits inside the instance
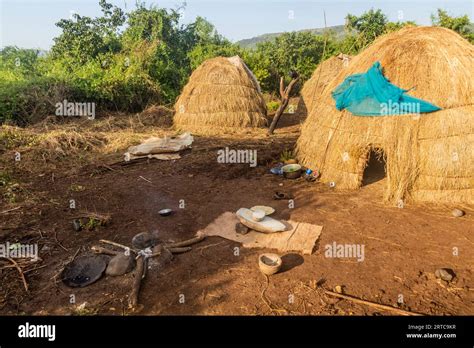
(145, 179)
(117, 245)
(108, 167)
(185, 243)
(102, 250)
(372, 304)
(9, 210)
(15, 264)
(141, 259)
(179, 250)
(137, 281)
(58, 242)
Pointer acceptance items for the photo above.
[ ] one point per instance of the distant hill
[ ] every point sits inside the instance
(252, 43)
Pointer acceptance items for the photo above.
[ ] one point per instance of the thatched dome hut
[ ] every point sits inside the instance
(222, 93)
(429, 156)
(322, 75)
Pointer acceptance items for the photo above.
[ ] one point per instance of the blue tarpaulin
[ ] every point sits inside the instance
(372, 94)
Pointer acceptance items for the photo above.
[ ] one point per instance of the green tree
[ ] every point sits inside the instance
(363, 30)
(296, 51)
(206, 42)
(157, 34)
(394, 26)
(84, 38)
(369, 25)
(18, 63)
(461, 25)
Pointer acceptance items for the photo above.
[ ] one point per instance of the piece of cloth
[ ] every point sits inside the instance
(372, 94)
(160, 148)
(300, 236)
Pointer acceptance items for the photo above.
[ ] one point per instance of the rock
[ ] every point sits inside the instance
(445, 274)
(338, 289)
(156, 237)
(143, 240)
(120, 264)
(158, 262)
(267, 225)
(241, 228)
(77, 225)
(457, 212)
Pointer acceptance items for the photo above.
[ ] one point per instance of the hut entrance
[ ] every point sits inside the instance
(375, 169)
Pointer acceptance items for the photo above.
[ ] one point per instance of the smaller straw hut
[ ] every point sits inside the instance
(222, 93)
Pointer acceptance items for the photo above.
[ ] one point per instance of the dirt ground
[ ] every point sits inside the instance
(403, 246)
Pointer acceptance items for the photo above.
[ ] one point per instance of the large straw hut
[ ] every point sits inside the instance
(222, 93)
(322, 75)
(428, 156)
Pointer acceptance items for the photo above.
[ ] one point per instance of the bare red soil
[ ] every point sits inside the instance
(403, 247)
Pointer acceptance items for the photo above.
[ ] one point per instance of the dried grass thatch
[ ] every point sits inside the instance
(429, 157)
(221, 93)
(324, 73)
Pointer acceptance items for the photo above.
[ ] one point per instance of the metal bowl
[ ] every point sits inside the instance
(165, 212)
(291, 171)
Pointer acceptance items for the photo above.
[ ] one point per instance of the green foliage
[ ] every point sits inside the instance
(295, 51)
(272, 106)
(9, 188)
(461, 25)
(22, 101)
(369, 25)
(17, 64)
(157, 32)
(126, 61)
(287, 155)
(158, 51)
(84, 38)
(202, 52)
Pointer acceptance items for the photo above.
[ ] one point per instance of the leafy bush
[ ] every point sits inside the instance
(23, 101)
(272, 106)
(461, 25)
(127, 61)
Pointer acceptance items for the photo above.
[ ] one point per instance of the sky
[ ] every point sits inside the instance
(31, 23)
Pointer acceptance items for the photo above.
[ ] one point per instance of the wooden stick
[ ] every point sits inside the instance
(102, 250)
(133, 299)
(15, 264)
(179, 250)
(141, 177)
(9, 210)
(372, 304)
(108, 167)
(185, 243)
(117, 245)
